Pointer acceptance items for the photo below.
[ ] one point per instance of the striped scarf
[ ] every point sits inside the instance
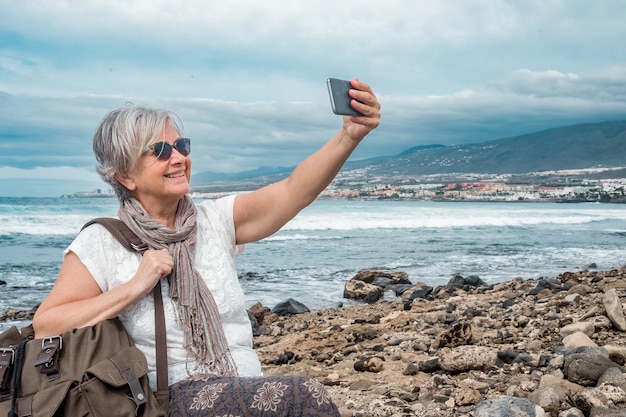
(197, 312)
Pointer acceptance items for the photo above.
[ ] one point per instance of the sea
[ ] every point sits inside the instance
(312, 257)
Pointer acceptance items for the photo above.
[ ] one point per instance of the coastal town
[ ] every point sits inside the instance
(559, 186)
(604, 185)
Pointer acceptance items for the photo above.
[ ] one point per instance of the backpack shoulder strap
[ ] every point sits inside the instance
(121, 232)
(131, 242)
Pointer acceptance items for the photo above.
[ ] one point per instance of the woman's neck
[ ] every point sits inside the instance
(164, 213)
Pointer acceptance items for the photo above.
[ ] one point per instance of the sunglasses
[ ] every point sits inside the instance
(163, 150)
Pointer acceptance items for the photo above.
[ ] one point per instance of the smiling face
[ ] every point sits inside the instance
(157, 184)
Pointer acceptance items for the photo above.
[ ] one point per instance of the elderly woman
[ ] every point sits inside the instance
(141, 153)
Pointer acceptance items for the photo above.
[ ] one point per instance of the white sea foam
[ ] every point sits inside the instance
(51, 216)
(436, 217)
(343, 216)
(298, 236)
(62, 224)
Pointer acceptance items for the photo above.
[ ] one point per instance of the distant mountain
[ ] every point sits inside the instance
(209, 176)
(572, 147)
(420, 148)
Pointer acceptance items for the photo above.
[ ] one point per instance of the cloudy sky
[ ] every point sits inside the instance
(248, 77)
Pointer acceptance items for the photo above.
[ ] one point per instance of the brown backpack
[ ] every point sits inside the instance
(95, 371)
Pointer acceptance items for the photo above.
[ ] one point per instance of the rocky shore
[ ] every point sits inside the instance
(547, 347)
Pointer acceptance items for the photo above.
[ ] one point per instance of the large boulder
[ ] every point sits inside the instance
(290, 306)
(362, 291)
(369, 285)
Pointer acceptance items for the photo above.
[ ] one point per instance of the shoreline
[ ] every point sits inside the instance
(200, 195)
(459, 348)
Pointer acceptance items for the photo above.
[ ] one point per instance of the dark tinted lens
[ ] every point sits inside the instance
(162, 150)
(183, 146)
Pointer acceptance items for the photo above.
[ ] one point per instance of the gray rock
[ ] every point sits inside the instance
(289, 306)
(475, 281)
(605, 412)
(429, 366)
(588, 350)
(457, 281)
(466, 358)
(578, 339)
(458, 334)
(603, 397)
(361, 290)
(370, 364)
(508, 407)
(614, 309)
(572, 299)
(572, 412)
(417, 291)
(467, 396)
(613, 376)
(548, 398)
(585, 327)
(370, 275)
(586, 369)
(398, 289)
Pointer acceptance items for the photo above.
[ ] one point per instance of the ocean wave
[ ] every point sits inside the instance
(63, 224)
(400, 222)
(299, 236)
(616, 232)
(67, 219)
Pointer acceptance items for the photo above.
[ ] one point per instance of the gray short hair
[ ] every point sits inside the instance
(121, 138)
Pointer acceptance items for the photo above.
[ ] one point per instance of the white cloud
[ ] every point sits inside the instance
(252, 22)
(248, 77)
(606, 85)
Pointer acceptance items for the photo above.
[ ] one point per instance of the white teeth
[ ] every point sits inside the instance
(180, 174)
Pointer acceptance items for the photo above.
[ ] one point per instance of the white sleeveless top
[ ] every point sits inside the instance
(112, 265)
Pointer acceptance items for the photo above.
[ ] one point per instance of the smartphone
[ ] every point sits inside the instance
(339, 97)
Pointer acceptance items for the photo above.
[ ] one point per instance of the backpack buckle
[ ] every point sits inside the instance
(7, 357)
(54, 341)
(49, 356)
(10, 352)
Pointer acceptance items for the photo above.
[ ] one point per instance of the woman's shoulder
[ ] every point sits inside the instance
(216, 208)
(215, 217)
(108, 261)
(96, 236)
(217, 203)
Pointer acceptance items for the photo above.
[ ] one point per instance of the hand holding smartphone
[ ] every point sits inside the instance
(339, 97)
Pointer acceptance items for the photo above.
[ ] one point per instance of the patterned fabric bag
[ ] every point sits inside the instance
(275, 396)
